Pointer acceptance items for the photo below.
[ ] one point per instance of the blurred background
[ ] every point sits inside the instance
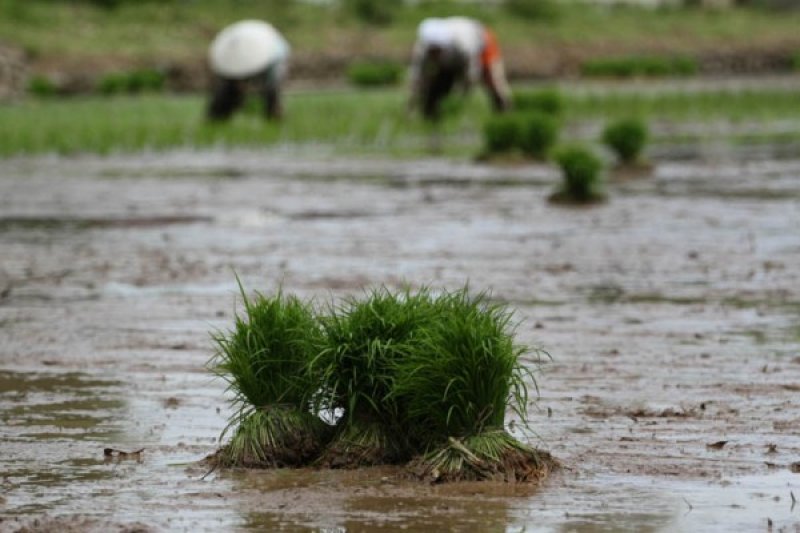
(109, 75)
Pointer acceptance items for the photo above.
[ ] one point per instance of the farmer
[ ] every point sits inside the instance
(455, 51)
(247, 53)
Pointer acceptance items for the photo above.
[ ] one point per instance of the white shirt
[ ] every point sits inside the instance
(460, 34)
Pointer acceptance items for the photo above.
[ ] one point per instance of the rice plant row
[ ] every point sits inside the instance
(420, 378)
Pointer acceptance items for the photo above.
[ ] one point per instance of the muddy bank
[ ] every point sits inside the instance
(672, 314)
(13, 72)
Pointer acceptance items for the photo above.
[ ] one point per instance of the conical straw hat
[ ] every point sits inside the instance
(245, 48)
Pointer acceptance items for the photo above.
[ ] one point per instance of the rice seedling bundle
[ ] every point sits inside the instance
(399, 377)
(581, 170)
(365, 341)
(264, 360)
(627, 138)
(458, 389)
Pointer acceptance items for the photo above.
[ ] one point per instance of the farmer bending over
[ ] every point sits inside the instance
(247, 53)
(455, 51)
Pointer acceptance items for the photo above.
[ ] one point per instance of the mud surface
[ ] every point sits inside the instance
(672, 314)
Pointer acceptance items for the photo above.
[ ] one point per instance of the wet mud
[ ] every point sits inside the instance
(672, 314)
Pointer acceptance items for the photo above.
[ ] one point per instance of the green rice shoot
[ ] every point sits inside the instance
(264, 359)
(365, 341)
(491, 455)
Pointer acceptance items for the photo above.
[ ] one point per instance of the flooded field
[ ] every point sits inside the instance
(672, 314)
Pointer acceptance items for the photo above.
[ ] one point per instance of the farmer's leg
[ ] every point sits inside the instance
(270, 88)
(227, 95)
(271, 94)
(439, 88)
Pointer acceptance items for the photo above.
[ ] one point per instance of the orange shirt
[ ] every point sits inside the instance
(491, 50)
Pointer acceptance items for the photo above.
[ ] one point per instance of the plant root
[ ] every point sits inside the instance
(493, 455)
(273, 437)
(359, 445)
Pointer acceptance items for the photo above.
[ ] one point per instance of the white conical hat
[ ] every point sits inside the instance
(245, 48)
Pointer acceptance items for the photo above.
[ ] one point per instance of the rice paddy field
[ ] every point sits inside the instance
(376, 122)
(671, 311)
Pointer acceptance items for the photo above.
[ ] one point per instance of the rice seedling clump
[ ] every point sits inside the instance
(501, 133)
(538, 134)
(457, 390)
(627, 138)
(582, 182)
(547, 101)
(264, 359)
(408, 377)
(365, 341)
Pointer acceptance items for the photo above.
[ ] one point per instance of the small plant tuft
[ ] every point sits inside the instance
(136, 81)
(580, 169)
(627, 138)
(42, 87)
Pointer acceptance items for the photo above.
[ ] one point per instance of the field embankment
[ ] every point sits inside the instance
(74, 44)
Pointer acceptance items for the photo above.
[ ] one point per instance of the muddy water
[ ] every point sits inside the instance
(672, 314)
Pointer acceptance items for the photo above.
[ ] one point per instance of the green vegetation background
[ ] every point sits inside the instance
(155, 33)
(361, 121)
(180, 29)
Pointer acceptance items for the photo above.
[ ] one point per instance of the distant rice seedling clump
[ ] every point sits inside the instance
(42, 87)
(533, 133)
(582, 183)
(409, 377)
(796, 61)
(627, 138)
(501, 133)
(136, 81)
(538, 134)
(547, 101)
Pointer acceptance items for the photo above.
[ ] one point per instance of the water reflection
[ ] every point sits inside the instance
(376, 499)
(57, 406)
(614, 522)
(52, 426)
